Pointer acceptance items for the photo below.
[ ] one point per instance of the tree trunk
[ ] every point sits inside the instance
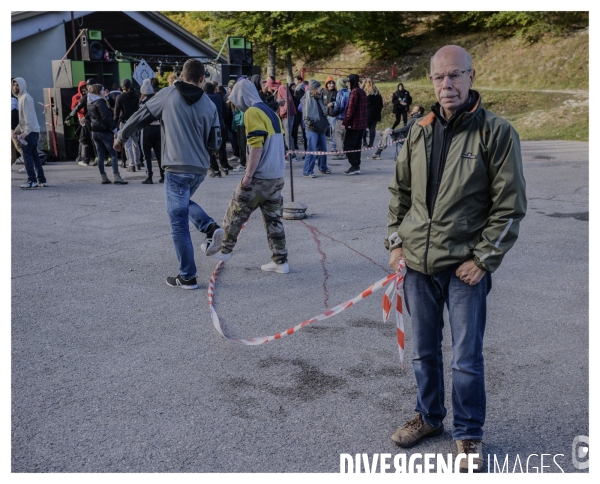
(272, 60)
(288, 63)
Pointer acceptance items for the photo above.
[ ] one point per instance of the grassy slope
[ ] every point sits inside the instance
(541, 88)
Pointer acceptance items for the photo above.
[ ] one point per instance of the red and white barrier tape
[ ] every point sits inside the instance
(343, 152)
(392, 295)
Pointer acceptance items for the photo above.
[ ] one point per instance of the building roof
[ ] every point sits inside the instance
(128, 32)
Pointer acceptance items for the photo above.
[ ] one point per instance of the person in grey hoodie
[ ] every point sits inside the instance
(191, 132)
(262, 184)
(27, 133)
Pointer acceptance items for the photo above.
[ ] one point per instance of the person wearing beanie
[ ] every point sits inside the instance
(355, 123)
(150, 137)
(315, 120)
(126, 105)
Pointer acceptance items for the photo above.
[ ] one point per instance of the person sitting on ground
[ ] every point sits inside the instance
(262, 183)
(416, 113)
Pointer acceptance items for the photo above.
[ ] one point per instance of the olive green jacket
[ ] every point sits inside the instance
(481, 197)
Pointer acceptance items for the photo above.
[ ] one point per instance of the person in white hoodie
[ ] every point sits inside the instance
(28, 133)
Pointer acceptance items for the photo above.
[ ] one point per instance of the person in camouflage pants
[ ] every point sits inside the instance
(263, 194)
(262, 183)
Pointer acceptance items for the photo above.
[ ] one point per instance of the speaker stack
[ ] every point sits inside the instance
(92, 46)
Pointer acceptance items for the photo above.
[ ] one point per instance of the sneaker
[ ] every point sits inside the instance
(226, 171)
(233, 158)
(470, 446)
(94, 163)
(130, 168)
(148, 181)
(275, 267)
(228, 167)
(22, 170)
(239, 168)
(43, 184)
(309, 176)
(108, 163)
(415, 430)
(29, 185)
(326, 172)
(83, 163)
(20, 161)
(222, 256)
(140, 166)
(213, 244)
(162, 179)
(374, 157)
(352, 171)
(182, 283)
(215, 174)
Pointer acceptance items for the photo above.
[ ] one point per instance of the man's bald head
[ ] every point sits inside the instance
(453, 52)
(452, 77)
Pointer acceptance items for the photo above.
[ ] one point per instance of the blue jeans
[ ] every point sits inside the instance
(332, 120)
(178, 191)
(316, 142)
(425, 297)
(31, 158)
(104, 144)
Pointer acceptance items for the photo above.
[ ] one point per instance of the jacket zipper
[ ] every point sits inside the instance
(438, 181)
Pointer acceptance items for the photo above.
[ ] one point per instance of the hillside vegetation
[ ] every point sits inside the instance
(531, 67)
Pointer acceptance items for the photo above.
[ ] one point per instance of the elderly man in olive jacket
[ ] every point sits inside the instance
(458, 195)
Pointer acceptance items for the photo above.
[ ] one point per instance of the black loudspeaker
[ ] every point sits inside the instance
(92, 47)
(236, 48)
(248, 54)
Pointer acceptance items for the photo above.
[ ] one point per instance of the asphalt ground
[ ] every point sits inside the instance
(114, 371)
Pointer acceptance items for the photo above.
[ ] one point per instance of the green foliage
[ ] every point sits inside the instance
(382, 35)
(530, 26)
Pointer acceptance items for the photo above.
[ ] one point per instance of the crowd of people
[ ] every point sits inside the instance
(345, 111)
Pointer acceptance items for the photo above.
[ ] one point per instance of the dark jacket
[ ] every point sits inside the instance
(401, 96)
(374, 107)
(100, 116)
(126, 105)
(329, 97)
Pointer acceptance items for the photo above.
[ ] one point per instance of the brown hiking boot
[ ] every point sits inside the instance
(470, 446)
(415, 430)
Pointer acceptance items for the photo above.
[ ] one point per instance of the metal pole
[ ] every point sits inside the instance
(73, 34)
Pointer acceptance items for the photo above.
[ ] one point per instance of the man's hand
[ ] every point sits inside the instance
(246, 181)
(22, 136)
(469, 273)
(116, 145)
(395, 255)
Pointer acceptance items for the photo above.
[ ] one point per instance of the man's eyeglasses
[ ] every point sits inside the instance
(454, 76)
